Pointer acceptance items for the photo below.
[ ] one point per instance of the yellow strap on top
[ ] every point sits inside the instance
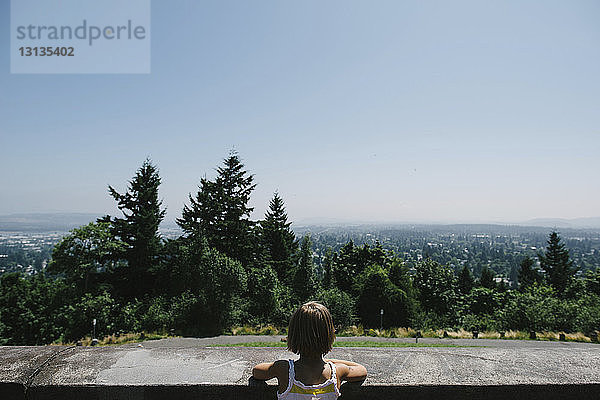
(327, 389)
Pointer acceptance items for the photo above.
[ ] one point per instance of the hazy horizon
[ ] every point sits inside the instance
(28, 221)
(459, 111)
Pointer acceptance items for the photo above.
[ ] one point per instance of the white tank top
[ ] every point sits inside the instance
(297, 390)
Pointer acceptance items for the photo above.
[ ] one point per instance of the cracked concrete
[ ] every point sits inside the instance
(184, 363)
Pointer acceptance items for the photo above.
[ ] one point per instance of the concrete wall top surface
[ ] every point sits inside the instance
(193, 362)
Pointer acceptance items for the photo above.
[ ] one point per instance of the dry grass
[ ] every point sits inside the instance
(579, 337)
(460, 334)
(350, 331)
(117, 339)
(569, 337)
(359, 330)
(256, 330)
(518, 335)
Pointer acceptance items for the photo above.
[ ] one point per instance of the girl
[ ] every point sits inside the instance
(310, 334)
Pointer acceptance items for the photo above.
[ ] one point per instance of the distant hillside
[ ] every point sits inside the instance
(62, 222)
(310, 225)
(44, 222)
(575, 223)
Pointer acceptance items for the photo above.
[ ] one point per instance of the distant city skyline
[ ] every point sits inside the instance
(414, 111)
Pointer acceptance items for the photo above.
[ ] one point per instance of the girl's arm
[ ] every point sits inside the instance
(350, 371)
(266, 371)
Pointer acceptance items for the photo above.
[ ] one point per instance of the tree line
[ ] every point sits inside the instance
(226, 269)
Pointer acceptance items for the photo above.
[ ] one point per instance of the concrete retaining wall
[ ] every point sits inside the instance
(236, 392)
(191, 369)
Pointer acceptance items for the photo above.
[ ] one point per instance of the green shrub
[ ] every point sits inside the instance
(472, 322)
(588, 314)
(424, 320)
(157, 317)
(77, 318)
(340, 304)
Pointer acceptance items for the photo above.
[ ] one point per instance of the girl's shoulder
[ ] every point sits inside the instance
(281, 365)
(281, 369)
(341, 369)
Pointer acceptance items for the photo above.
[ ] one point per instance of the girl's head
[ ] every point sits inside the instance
(311, 331)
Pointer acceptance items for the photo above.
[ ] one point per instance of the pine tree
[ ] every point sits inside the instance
(557, 265)
(592, 281)
(200, 218)
(328, 272)
(138, 229)
(305, 284)
(487, 278)
(514, 276)
(528, 274)
(277, 240)
(465, 280)
(375, 255)
(399, 275)
(346, 266)
(220, 211)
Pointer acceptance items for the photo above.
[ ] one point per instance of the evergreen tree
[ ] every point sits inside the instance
(277, 240)
(486, 279)
(375, 255)
(400, 276)
(305, 284)
(592, 281)
(139, 230)
(328, 271)
(514, 276)
(220, 211)
(345, 264)
(477, 268)
(556, 264)
(528, 274)
(465, 280)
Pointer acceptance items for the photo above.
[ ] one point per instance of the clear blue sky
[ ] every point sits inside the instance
(354, 110)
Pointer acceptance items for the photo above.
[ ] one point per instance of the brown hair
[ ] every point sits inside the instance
(311, 330)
